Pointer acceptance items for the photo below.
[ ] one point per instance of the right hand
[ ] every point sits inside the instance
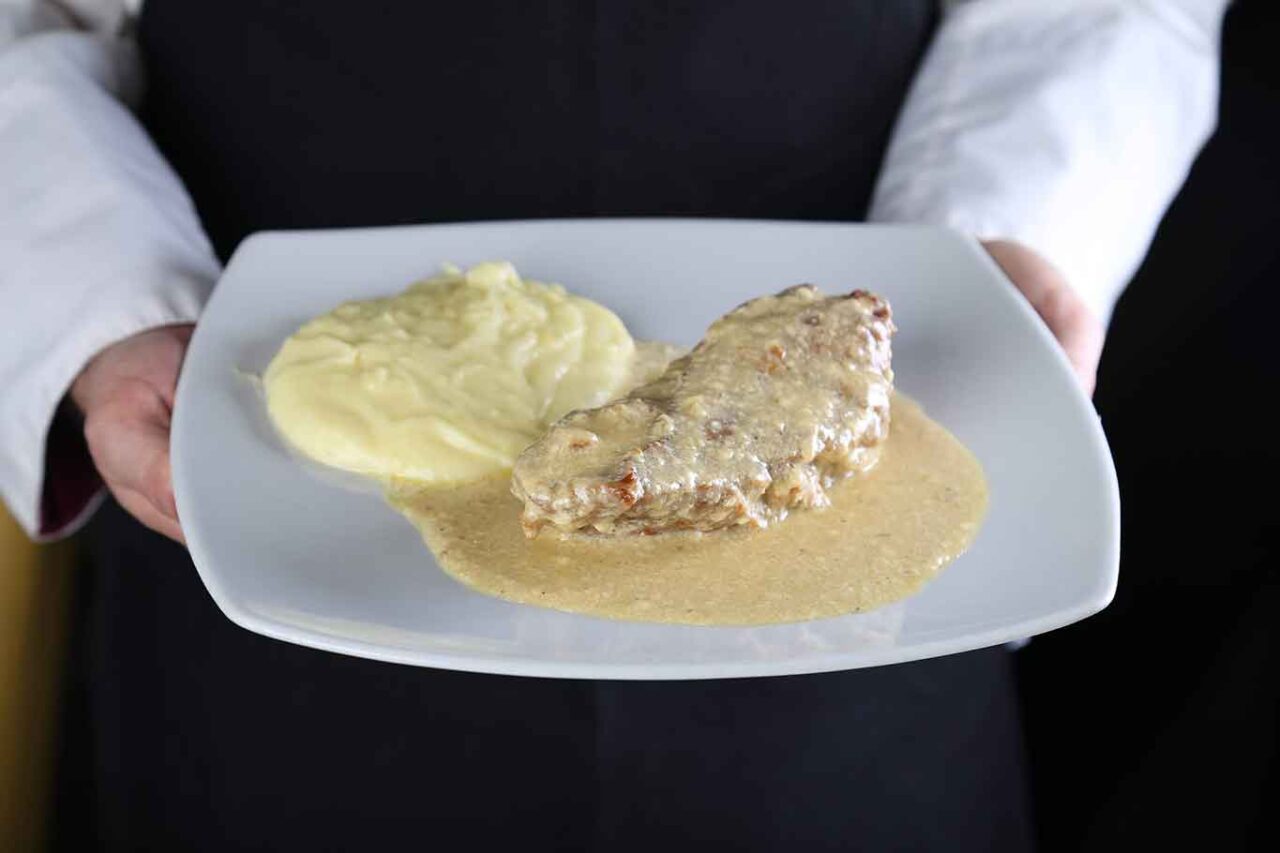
(126, 395)
(1077, 329)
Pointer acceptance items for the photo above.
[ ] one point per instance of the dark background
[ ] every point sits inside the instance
(1156, 721)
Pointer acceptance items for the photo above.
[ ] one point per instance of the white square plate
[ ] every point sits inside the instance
(291, 556)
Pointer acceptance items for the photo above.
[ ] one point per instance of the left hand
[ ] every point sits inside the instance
(126, 394)
(1077, 329)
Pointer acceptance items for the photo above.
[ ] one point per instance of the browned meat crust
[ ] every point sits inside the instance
(785, 395)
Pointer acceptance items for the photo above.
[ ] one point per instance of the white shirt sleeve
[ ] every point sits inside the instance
(1068, 126)
(98, 238)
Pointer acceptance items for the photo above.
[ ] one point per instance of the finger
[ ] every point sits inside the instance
(128, 437)
(137, 505)
(175, 356)
(1068, 317)
(1076, 328)
(1081, 336)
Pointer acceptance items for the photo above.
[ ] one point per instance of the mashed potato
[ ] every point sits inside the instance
(448, 381)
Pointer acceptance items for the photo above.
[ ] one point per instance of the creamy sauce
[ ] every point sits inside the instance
(885, 534)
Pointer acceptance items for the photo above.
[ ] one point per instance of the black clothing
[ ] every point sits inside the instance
(316, 114)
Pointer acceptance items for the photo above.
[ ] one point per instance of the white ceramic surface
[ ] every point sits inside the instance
(308, 560)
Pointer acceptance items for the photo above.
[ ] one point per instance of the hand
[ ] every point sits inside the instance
(126, 395)
(1062, 310)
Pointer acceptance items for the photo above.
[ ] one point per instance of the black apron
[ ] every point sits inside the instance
(190, 733)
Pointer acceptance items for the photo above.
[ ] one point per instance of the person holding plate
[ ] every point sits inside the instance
(138, 147)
